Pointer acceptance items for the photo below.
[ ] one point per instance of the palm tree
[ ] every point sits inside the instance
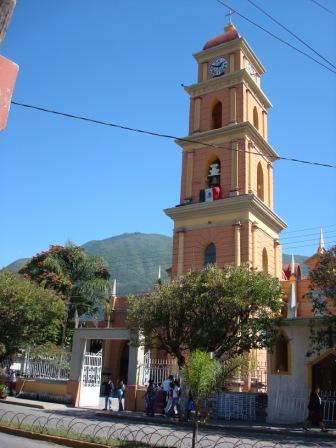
(81, 280)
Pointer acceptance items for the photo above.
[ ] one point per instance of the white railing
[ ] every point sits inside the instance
(92, 369)
(156, 369)
(42, 367)
(329, 405)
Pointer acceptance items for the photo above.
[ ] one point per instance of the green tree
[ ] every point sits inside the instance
(225, 311)
(80, 279)
(202, 375)
(29, 314)
(323, 295)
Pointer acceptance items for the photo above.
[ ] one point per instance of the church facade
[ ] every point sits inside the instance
(226, 216)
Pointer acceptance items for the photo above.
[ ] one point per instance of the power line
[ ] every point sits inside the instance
(158, 134)
(291, 32)
(310, 228)
(275, 36)
(308, 234)
(323, 7)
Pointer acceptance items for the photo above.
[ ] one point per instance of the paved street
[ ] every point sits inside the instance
(9, 441)
(85, 421)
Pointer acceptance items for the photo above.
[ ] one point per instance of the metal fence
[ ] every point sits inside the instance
(141, 435)
(329, 405)
(156, 369)
(42, 367)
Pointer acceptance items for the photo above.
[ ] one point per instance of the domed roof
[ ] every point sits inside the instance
(230, 33)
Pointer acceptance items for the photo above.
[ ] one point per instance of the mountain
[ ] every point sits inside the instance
(134, 258)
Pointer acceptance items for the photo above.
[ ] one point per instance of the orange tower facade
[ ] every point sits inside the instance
(225, 215)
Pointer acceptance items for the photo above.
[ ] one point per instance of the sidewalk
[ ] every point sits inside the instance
(140, 417)
(232, 425)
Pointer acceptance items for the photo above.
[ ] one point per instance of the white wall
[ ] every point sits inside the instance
(288, 394)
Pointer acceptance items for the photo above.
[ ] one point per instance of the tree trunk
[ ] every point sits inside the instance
(195, 431)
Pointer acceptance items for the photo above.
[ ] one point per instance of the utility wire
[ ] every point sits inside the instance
(158, 134)
(307, 234)
(275, 36)
(323, 7)
(309, 228)
(291, 32)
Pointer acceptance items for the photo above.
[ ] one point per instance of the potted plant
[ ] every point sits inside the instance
(3, 391)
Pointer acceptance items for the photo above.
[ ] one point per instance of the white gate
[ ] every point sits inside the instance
(90, 380)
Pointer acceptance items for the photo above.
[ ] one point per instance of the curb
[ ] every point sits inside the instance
(54, 439)
(28, 405)
(233, 428)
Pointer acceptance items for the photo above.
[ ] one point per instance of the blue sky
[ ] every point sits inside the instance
(123, 61)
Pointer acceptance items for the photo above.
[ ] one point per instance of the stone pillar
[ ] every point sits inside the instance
(77, 353)
(233, 105)
(205, 71)
(197, 114)
(249, 173)
(180, 254)
(276, 258)
(232, 62)
(237, 226)
(247, 105)
(6, 11)
(234, 170)
(189, 174)
(254, 244)
(270, 184)
(136, 357)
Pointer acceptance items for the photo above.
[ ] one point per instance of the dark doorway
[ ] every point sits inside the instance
(124, 362)
(324, 373)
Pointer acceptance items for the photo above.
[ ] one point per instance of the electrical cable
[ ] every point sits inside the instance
(275, 36)
(323, 7)
(291, 32)
(168, 136)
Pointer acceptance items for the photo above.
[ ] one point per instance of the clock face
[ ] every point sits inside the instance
(250, 69)
(217, 66)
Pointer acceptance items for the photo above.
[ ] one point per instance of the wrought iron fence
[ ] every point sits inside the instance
(42, 367)
(156, 369)
(329, 405)
(141, 435)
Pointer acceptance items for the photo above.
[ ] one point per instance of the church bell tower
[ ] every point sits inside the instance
(225, 215)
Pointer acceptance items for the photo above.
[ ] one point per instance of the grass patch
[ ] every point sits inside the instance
(74, 435)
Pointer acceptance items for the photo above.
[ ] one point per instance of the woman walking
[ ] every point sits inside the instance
(315, 411)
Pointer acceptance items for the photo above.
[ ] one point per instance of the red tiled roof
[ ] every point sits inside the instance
(221, 39)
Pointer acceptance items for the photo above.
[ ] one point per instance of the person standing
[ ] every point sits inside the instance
(150, 398)
(109, 389)
(315, 410)
(175, 405)
(12, 383)
(166, 388)
(120, 394)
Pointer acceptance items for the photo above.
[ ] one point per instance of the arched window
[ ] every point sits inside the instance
(260, 182)
(217, 116)
(255, 118)
(265, 260)
(210, 254)
(281, 355)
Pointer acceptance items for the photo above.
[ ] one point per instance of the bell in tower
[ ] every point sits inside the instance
(226, 200)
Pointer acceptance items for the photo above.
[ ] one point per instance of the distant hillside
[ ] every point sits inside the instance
(134, 258)
(17, 265)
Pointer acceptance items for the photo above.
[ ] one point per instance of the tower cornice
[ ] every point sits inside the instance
(227, 206)
(233, 45)
(228, 133)
(229, 80)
